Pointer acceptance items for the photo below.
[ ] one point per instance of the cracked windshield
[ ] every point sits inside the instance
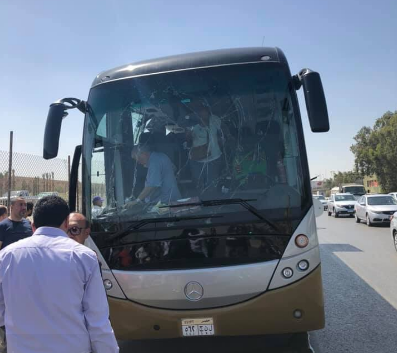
(198, 144)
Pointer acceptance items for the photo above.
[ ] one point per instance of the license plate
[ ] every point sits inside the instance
(198, 327)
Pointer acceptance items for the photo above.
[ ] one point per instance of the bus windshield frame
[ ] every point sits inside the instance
(255, 112)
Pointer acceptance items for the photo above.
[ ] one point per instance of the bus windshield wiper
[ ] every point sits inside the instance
(143, 222)
(222, 202)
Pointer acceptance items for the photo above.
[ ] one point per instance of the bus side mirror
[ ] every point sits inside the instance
(56, 113)
(316, 104)
(54, 122)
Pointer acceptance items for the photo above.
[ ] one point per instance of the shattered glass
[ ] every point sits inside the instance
(226, 132)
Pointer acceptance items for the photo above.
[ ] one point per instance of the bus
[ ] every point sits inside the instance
(357, 190)
(208, 225)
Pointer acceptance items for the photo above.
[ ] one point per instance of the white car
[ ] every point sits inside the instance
(323, 201)
(341, 204)
(394, 194)
(393, 229)
(375, 209)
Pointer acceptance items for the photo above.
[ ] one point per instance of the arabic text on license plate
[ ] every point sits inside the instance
(198, 327)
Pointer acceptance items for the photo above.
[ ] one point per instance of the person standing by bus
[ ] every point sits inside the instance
(52, 298)
(15, 227)
(12, 229)
(79, 228)
(3, 213)
(29, 211)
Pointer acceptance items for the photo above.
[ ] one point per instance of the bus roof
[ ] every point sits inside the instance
(192, 60)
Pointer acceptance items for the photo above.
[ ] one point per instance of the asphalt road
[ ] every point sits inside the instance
(360, 288)
(359, 267)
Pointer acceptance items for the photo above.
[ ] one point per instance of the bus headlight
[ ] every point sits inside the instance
(301, 241)
(107, 284)
(298, 314)
(303, 265)
(287, 272)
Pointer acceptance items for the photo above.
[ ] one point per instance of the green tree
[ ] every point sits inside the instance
(341, 178)
(375, 151)
(346, 178)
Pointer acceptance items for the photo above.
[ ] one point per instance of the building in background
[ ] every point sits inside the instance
(372, 185)
(318, 187)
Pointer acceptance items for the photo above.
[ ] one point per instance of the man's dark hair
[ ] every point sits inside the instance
(50, 211)
(29, 206)
(3, 210)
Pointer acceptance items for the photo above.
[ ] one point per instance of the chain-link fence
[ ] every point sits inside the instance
(32, 176)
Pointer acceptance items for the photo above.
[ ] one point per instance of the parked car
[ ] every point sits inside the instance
(393, 229)
(17, 193)
(375, 209)
(322, 199)
(47, 193)
(341, 204)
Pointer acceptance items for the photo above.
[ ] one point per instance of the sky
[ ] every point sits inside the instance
(49, 51)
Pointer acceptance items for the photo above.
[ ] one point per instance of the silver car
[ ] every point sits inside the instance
(341, 204)
(375, 209)
(323, 201)
(393, 229)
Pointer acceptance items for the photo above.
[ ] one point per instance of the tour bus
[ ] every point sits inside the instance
(208, 224)
(356, 190)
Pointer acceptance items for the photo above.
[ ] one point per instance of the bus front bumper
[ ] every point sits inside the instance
(269, 313)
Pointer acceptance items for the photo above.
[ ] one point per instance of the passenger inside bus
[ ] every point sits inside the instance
(204, 141)
(205, 158)
(206, 145)
(160, 183)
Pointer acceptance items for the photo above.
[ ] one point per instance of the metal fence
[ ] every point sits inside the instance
(32, 176)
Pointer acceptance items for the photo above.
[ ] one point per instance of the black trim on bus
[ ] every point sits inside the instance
(196, 60)
(195, 252)
(74, 178)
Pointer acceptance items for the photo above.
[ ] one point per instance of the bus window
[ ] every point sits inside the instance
(224, 135)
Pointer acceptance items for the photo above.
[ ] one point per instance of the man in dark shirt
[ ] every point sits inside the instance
(15, 227)
(12, 229)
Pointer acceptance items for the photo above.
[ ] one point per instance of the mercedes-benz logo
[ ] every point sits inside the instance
(194, 291)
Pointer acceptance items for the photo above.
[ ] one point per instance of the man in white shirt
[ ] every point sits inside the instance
(205, 140)
(52, 297)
